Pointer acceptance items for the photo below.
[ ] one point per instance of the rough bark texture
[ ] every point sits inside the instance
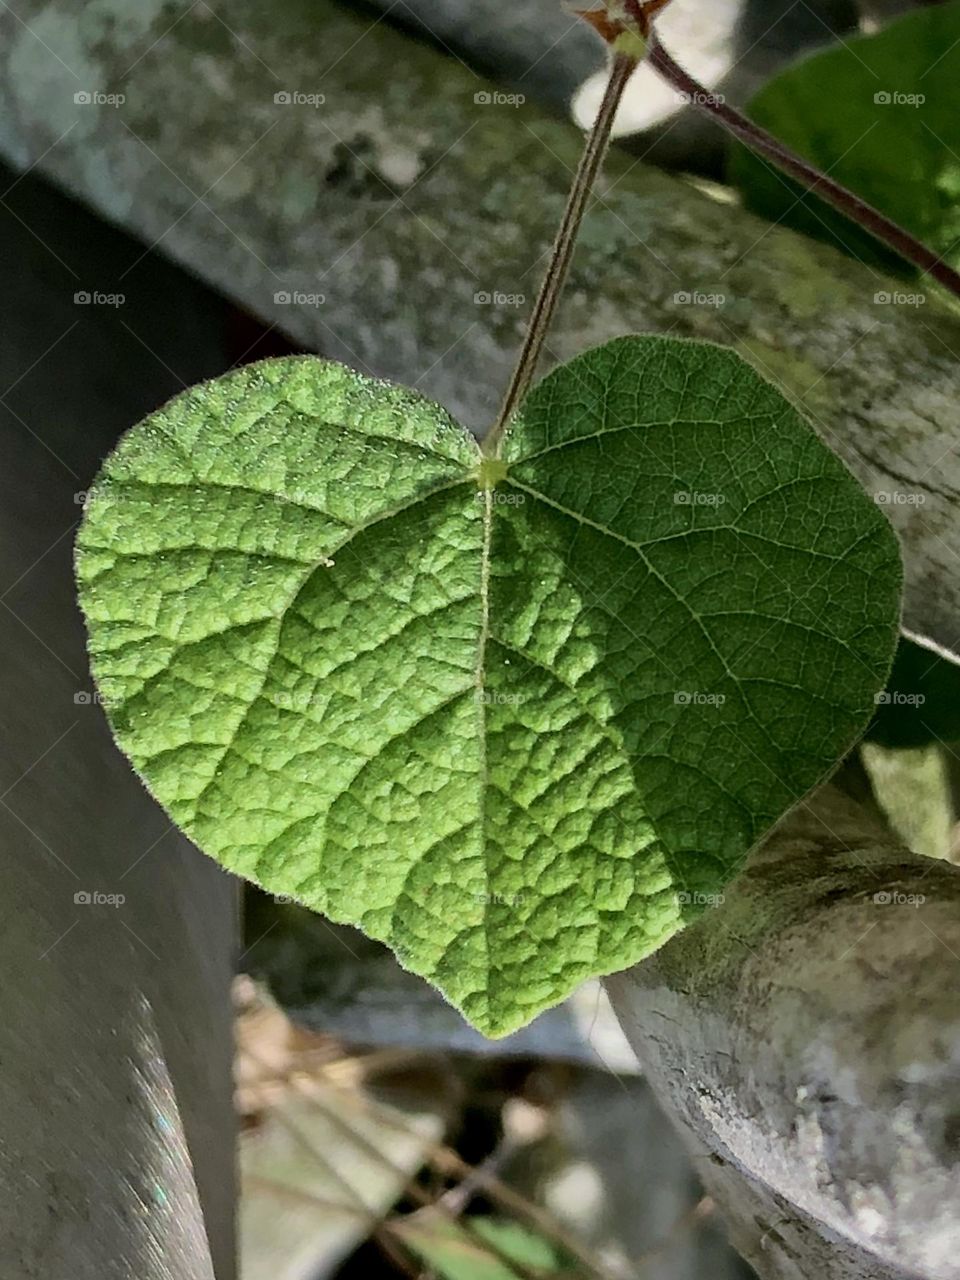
(402, 201)
(115, 1040)
(807, 1035)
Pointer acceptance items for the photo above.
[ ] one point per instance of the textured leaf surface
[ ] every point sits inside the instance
(879, 114)
(520, 719)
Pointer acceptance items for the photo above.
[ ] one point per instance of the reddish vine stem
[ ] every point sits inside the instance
(769, 148)
(752, 135)
(563, 247)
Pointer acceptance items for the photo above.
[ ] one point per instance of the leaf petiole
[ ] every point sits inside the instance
(562, 253)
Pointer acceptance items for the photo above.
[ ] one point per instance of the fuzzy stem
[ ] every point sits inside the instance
(563, 247)
(764, 144)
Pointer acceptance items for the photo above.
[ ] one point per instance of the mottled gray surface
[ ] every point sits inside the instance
(115, 1044)
(807, 1034)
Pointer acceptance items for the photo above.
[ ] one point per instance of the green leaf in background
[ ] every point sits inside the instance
(519, 718)
(492, 1248)
(879, 113)
(921, 701)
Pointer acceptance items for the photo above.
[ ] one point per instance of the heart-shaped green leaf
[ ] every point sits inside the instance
(520, 718)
